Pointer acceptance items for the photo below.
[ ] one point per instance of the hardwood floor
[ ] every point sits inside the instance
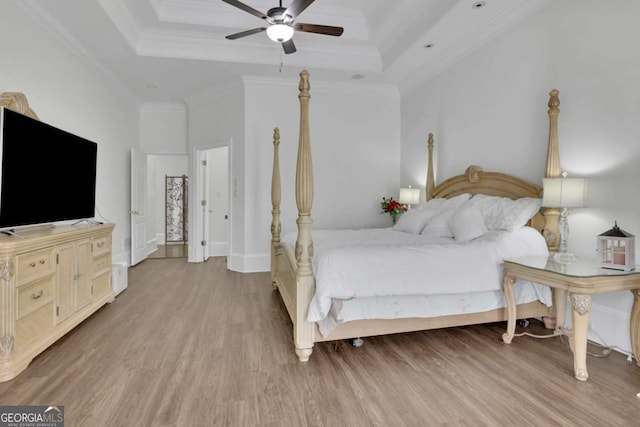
(170, 251)
(197, 345)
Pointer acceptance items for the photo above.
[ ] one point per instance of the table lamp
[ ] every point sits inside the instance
(409, 196)
(563, 193)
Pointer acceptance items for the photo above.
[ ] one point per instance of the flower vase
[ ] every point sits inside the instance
(395, 217)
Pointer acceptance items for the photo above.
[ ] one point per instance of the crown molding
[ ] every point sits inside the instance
(44, 15)
(163, 107)
(217, 91)
(322, 86)
(219, 14)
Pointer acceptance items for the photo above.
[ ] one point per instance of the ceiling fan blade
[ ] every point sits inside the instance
(297, 7)
(246, 8)
(289, 46)
(319, 29)
(245, 33)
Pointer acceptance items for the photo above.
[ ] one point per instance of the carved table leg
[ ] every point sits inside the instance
(507, 284)
(580, 310)
(634, 327)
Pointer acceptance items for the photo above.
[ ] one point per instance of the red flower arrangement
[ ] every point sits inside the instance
(393, 208)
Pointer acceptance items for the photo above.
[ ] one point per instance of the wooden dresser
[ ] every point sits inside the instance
(51, 279)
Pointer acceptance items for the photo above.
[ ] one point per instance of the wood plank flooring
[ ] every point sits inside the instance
(170, 251)
(197, 345)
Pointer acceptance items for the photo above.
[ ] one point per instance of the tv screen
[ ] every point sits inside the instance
(47, 174)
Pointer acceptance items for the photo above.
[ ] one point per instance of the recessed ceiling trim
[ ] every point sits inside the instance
(122, 18)
(220, 14)
(190, 45)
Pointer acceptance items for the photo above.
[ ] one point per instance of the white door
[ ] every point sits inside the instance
(204, 202)
(138, 207)
(211, 210)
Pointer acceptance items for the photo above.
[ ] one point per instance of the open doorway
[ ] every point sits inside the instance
(212, 210)
(167, 185)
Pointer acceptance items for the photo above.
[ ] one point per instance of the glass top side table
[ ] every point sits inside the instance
(579, 279)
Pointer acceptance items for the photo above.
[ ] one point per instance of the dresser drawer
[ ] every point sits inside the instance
(101, 285)
(35, 265)
(101, 245)
(34, 325)
(101, 264)
(35, 295)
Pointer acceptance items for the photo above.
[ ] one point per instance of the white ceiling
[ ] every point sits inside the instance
(168, 50)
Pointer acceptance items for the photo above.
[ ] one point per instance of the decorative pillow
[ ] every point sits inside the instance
(438, 226)
(414, 220)
(467, 223)
(503, 213)
(446, 204)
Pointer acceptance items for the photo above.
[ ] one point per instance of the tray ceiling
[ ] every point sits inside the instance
(168, 50)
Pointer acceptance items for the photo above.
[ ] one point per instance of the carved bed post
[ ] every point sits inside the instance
(551, 231)
(305, 282)
(276, 193)
(428, 191)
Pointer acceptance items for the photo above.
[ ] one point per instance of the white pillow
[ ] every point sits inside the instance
(503, 213)
(467, 223)
(414, 220)
(438, 226)
(445, 204)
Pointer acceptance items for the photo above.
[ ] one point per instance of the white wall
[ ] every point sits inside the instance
(164, 141)
(216, 117)
(490, 109)
(67, 92)
(164, 128)
(355, 144)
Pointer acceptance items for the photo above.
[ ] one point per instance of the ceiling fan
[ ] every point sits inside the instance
(281, 25)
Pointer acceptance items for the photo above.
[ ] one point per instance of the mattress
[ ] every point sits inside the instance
(385, 274)
(425, 306)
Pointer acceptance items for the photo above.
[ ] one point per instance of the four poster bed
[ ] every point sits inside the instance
(350, 303)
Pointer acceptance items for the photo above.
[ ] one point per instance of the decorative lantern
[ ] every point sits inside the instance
(617, 249)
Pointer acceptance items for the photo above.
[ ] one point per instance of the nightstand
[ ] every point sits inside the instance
(580, 279)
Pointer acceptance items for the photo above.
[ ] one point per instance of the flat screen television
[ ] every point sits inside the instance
(47, 175)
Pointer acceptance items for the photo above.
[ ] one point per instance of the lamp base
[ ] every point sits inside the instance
(564, 257)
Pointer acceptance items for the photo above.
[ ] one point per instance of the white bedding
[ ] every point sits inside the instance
(423, 306)
(371, 263)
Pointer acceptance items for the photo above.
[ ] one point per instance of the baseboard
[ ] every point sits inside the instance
(249, 263)
(218, 248)
(608, 326)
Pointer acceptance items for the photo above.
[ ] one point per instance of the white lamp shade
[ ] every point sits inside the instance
(280, 32)
(409, 196)
(564, 192)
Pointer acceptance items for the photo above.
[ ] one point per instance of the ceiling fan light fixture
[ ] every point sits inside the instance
(280, 33)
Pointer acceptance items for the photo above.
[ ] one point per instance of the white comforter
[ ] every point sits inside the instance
(383, 262)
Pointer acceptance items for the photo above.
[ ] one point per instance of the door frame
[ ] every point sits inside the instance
(135, 206)
(196, 223)
(138, 203)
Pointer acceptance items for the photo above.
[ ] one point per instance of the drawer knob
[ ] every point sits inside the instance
(38, 295)
(100, 244)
